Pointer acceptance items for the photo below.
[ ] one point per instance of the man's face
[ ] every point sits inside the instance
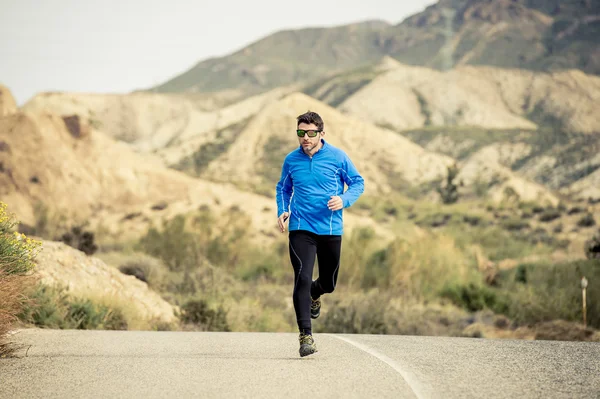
(309, 143)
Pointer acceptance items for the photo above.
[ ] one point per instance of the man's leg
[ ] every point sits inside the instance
(328, 253)
(303, 248)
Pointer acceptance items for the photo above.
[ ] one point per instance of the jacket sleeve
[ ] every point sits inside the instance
(354, 181)
(284, 189)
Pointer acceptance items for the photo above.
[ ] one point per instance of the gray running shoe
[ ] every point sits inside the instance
(307, 345)
(315, 308)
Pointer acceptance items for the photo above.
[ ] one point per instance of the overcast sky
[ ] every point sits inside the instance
(118, 46)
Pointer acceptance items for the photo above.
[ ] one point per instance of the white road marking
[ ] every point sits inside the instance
(410, 379)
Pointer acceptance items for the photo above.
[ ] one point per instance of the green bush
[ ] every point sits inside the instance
(514, 224)
(17, 251)
(521, 274)
(449, 191)
(145, 268)
(549, 215)
(174, 244)
(592, 247)
(197, 311)
(587, 221)
(473, 297)
(551, 292)
(357, 317)
(17, 254)
(52, 307)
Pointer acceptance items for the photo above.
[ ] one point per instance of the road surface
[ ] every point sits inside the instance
(146, 364)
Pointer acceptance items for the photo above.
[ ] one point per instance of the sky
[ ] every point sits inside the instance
(119, 46)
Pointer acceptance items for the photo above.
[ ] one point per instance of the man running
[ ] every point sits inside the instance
(311, 198)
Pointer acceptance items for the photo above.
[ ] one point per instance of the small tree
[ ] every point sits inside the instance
(592, 247)
(449, 191)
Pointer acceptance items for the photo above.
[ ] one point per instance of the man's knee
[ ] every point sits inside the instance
(303, 282)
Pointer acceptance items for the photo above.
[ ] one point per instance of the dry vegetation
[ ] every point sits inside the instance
(16, 261)
(444, 274)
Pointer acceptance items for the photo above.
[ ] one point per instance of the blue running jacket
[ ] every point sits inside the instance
(308, 183)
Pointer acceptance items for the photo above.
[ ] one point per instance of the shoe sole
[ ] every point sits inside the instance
(314, 316)
(306, 350)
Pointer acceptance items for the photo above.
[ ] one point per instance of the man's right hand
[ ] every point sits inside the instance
(281, 221)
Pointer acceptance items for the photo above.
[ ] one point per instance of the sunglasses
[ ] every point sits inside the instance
(310, 133)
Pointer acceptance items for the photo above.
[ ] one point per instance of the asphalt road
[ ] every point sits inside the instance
(134, 364)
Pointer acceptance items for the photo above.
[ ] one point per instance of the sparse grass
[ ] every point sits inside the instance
(477, 136)
(274, 153)
(12, 299)
(197, 162)
(383, 312)
(17, 254)
(53, 307)
(545, 291)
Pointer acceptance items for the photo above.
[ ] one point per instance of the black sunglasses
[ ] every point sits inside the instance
(311, 133)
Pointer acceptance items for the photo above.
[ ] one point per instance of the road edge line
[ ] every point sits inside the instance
(410, 380)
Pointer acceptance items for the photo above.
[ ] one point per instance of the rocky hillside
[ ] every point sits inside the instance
(88, 277)
(548, 119)
(150, 122)
(406, 97)
(385, 159)
(529, 34)
(214, 144)
(83, 175)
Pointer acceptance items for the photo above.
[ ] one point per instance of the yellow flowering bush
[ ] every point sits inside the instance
(17, 251)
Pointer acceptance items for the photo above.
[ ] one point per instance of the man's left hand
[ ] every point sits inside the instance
(335, 203)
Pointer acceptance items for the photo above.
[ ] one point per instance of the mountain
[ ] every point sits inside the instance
(244, 143)
(150, 122)
(389, 161)
(504, 33)
(385, 158)
(283, 58)
(547, 121)
(79, 173)
(408, 97)
(528, 34)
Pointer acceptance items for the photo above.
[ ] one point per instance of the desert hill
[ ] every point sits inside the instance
(527, 34)
(216, 144)
(549, 118)
(84, 175)
(89, 277)
(383, 157)
(388, 161)
(149, 121)
(408, 97)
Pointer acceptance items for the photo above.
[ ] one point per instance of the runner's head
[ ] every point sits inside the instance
(310, 130)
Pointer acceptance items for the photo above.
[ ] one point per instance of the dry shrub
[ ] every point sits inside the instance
(16, 261)
(385, 312)
(12, 299)
(561, 330)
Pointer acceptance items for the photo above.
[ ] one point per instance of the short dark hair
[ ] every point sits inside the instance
(310, 117)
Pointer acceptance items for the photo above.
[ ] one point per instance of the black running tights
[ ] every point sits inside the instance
(304, 246)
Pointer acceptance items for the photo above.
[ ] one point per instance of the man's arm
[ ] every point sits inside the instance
(354, 181)
(284, 190)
